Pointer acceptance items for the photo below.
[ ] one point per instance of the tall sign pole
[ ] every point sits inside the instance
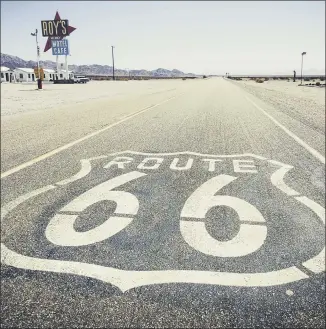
(39, 81)
(66, 67)
(113, 63)
(58, 69)
(38, 53)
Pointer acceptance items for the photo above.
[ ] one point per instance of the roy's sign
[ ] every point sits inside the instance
(60, 47)
(55, 28)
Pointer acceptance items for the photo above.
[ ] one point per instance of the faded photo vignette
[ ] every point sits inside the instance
(163, 164)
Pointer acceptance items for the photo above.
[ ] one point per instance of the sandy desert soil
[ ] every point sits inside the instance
(22, 98)
(305, 103)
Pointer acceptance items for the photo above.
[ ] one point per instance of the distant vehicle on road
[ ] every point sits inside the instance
(80, 79)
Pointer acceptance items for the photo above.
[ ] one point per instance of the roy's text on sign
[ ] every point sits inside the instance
(55, 28)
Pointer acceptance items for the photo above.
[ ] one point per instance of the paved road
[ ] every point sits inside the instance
(204, 209)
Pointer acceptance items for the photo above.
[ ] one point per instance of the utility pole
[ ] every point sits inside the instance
(304, 53)
(113, 77)
(39, 82)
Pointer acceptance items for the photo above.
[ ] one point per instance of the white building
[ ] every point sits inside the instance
(24, 74)
(63, 75)
(28, 75)
(7, 75)
(49, 74)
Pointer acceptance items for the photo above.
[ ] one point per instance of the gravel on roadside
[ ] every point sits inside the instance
(302, 103)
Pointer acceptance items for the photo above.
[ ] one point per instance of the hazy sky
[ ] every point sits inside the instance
(200, 37)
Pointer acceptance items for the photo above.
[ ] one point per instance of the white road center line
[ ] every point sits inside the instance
(64, 147)
(315, 153)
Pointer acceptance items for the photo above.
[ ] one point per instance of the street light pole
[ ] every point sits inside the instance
(304, 53)
(113, 63)
(38, 58)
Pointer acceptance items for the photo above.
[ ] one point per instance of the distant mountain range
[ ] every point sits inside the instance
(14, 61)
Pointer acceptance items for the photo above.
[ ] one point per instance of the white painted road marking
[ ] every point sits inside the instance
(249, 238)
(317, 263)
(174, 164)
(315, 153)
(84, 171)
(244, 166)
(277, 181)
(211, 163)
(125, 279)
(64, 147)
(154, 163)
(60, 230)
(144, 165)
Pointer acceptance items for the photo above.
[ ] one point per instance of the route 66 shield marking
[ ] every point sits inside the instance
(167, 200)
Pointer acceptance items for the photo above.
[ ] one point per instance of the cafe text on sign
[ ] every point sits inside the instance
(55, 28)
(60, 47)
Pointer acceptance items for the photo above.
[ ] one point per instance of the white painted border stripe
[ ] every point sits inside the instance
(64, 147)
(315, 153)
(126, 280)
(13, 204)
(317, 263)
(277, 180)
(86, 168)
(192, 153)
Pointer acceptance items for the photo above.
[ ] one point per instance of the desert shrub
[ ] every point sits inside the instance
(266, 79)
(259, 80)
(306, 79)
(322, 79)
(317, 83)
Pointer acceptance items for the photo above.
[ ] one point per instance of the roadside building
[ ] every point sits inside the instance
(49, 74)
(62, 74)
(24, 74)
(7, 75)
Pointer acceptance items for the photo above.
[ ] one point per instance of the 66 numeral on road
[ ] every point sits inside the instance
(250, 238)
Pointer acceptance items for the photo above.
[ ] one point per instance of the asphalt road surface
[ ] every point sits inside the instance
(200, 206)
